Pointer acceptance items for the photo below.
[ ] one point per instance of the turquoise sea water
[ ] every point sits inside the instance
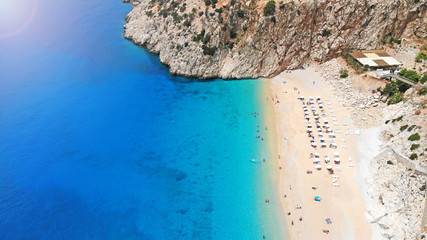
(98, 141)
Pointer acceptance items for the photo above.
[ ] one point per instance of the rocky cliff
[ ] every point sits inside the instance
(234, 38)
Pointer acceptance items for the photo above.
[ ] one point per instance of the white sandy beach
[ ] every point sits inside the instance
(343, 204)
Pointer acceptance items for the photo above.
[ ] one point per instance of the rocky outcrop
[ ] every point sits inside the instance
(398, 198)
(236, 40)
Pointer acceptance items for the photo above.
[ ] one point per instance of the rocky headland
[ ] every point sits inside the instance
(245, 39)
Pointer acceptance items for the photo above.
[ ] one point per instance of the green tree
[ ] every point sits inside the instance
(390, 88)
(396, 98)
(409, 74)
(270, 8)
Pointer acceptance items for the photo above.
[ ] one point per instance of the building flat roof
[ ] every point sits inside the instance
(374, 58)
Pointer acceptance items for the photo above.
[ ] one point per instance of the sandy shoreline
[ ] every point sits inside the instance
(344, 205)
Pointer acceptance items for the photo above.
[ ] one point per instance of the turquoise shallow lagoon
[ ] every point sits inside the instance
(98, 141)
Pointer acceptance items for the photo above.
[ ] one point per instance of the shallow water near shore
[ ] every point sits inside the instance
(98, 141)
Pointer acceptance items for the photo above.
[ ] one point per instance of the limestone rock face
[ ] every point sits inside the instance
(251, 45)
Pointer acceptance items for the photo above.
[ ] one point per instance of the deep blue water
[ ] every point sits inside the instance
(98, 141)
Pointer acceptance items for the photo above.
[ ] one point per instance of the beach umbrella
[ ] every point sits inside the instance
(301, 97)
(311, 97)
(337, 161)
(336, 154)
(316, 161)
(316, 154)
(318, 167)
(327, 159)
(318, 97)
(332, 135)
(323, 144)
(329, 167)
(313, 144)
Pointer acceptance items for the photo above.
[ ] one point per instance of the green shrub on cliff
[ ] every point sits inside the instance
(414, 146)
(214, 2)
(423, 91)
(343, 73)
(413, 156)
(233, 33)
(414, 137)
(420, 57)
(409, 74)
(176, 17)
(423, 79)
(397, 97)
(187, 23)
(411, 128)
(240, 13)
(326, 32)
(209, 50)
(270, 8)
(403, 128)
(199, 36)
(164, 13)
(390, 88)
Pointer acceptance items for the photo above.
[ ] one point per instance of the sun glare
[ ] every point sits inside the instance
(15, 16)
